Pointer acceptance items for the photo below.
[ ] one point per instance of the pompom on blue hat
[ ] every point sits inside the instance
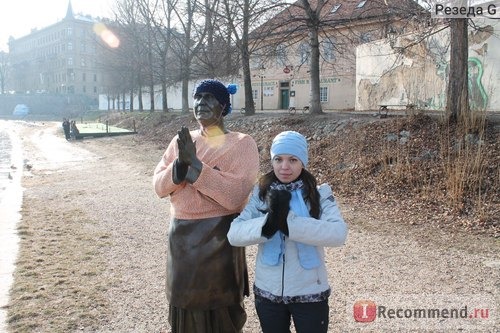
(290, 143)
(220, 92)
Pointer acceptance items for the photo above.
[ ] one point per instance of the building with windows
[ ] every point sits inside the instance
(281, 53)
(281, 64)
(61, 58)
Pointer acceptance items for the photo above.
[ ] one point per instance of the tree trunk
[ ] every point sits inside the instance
(245, 59)
(457, 94)
(164, 101)
(152, 97)
(131, 104)
(185, 95)
(247, 79)
(315, 103)
(139, 97)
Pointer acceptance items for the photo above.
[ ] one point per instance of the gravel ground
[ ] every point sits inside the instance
(93, 241)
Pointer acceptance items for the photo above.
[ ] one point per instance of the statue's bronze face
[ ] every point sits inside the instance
(207, 109)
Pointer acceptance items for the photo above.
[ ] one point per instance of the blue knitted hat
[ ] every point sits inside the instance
(220, 92)
(290, 143)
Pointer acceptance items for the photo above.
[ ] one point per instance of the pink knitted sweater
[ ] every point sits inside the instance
(230, 167)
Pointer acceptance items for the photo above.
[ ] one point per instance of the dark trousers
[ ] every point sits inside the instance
(307, 317)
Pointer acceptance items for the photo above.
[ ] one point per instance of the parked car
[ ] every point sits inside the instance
(21, 110)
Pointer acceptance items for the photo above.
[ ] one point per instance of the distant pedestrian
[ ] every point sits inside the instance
(74, 130)
(66, 127)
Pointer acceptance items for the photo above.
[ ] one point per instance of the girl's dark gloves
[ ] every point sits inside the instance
(278, 203)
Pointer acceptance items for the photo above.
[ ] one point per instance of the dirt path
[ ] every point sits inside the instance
(93, 240)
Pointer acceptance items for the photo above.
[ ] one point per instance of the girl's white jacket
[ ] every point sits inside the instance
(288, 278)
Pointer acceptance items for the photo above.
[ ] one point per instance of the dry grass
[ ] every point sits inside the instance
(448, 172)
(58, 286)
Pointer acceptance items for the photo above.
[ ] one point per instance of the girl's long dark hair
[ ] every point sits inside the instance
(310, 190)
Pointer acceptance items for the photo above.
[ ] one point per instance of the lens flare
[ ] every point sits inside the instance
(106, 35)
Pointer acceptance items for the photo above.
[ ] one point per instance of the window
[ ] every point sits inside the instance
(95, 77)
(255, 94)
(69, 31)
(70, 46)
(328, 49)
(281, 55)
(82, 62)
(365, 37)
(304, 52)
(84, 77)
(268, 91)
(70, 61)
(255, 63)
(323, 94)
(336, 7)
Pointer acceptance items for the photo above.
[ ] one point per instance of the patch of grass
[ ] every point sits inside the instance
(56, 252)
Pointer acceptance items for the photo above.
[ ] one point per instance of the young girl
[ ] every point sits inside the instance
(291, 219)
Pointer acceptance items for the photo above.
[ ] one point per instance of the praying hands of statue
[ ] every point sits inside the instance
(187, 166)
(187, 148)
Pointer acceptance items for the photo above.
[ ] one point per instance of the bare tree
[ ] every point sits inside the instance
(457, 95)
(145, 12)
(217, 56)
(163, 32)
(241, 17)
(4, 70)
(133, 52)
(192, 23)
(313, 24)
(115, 66)
(338, 26)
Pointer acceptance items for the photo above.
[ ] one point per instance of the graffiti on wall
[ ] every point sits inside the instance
(478, 98)
(423, 84)
(420, 76)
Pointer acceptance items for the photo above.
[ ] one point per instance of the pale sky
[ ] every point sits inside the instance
(18, 17)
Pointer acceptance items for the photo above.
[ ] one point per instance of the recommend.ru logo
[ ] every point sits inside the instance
(431, 312)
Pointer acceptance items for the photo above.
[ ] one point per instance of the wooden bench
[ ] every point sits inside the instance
(384, 108)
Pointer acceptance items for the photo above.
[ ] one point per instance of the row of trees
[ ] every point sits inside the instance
(170, 42)
(4, 68)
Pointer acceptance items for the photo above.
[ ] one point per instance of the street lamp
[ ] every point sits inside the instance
(261, 72)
